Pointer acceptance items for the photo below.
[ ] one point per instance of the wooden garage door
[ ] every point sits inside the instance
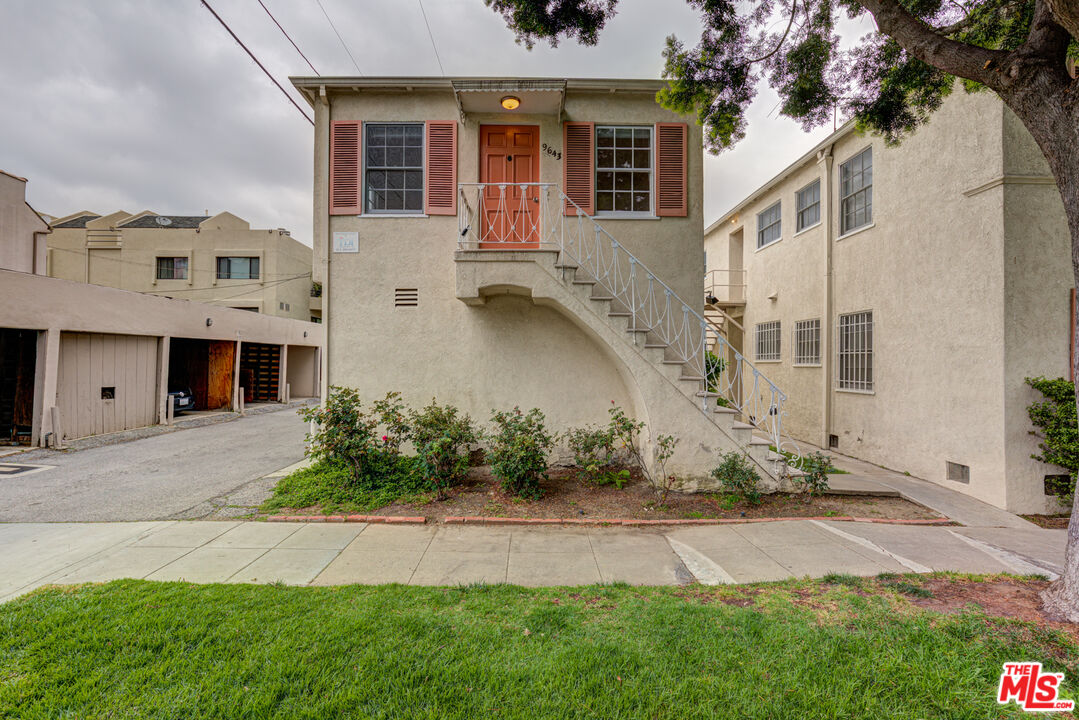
(106, 383)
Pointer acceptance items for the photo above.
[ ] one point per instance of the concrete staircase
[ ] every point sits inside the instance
(674, 398)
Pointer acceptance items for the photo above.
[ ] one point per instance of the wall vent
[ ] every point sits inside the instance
(957, 472)
(833, 442)
(406, 297)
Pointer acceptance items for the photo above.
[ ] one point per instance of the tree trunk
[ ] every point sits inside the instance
(1049, 108)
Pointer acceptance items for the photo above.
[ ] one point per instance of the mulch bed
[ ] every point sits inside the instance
(566, 496)
(1051, 522)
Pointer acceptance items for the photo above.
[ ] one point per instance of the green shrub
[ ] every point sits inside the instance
(442, 437)
(627, 432)
(332, 486)
(814, 482)
(1055, 420)
(346, 433)
(518, 453)
(738, 477)
(393, 419)
(595, 456)
(713, 368)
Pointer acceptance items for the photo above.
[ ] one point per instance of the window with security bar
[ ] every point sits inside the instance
(768, 340)
(769, 228)
(624, 169)
(807, 342)
(393, 168)
(854, 335)
(856, 191)
(807, 203)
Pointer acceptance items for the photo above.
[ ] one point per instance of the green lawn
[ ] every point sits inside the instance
(798, 650)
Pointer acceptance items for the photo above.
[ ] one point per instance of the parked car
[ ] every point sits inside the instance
(181, 400)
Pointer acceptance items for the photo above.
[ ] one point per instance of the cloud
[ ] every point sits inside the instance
(132, 105)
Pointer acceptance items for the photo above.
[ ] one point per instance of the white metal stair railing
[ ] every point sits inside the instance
(534, 216)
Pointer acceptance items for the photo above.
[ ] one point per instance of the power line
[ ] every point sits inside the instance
(338, 36)
(432, 36)
(154, 265)
(263, 68)
(287, 36)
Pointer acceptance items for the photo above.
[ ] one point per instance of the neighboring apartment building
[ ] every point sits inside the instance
(506, 242)
(217, 259)
(900, 295)
(79, 359)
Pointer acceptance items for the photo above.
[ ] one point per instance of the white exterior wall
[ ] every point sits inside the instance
(966, 274)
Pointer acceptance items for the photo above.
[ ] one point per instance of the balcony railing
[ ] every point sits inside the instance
(726, 286)
(508, 216)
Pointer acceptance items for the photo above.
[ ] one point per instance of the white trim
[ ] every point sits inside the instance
(372, 215)
(855, 392)
(757, 235)
(797, 212)
(807, 365)
(364, 212)
(627, 215)
(651, 213)
(805, 229)
(856, 231)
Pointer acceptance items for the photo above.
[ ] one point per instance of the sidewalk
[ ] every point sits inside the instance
(334, 554)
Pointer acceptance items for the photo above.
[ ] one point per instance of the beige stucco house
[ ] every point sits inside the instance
(494, 242)
(78, 359)
(218, 259)
(900, 296)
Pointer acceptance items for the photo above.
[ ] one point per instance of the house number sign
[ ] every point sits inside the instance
(557, 155)
(346, 242)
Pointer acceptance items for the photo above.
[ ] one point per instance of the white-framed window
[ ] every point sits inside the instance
(807, 203)
(768, 340)
(237, 268)
(807, 342)
(172, 268)
(856, 192)
(769, 226)
(854, 333)
(393, 168)
(623, 169)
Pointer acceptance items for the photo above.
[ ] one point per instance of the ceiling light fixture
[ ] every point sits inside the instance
(511, 103)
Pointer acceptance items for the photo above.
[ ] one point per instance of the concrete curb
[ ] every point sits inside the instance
(474, 520)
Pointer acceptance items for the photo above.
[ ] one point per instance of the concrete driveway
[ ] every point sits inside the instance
(189, 473)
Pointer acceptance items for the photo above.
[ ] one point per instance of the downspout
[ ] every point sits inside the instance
(322, 118)
(824, 160)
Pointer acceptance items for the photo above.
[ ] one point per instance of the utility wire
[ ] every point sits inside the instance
(154, 265)
(287, 36)
(430, 35)
(338, 36)
(252, 55)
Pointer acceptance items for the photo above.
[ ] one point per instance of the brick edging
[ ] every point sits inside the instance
(628, 522)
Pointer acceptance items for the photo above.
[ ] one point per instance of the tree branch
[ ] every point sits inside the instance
(794, 11)
(1048, 39)
(926, 44)
(1066, 15)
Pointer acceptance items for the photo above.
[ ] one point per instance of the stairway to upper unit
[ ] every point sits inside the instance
(664, 342)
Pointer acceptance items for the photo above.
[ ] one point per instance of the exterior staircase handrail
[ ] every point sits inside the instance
(537, 213)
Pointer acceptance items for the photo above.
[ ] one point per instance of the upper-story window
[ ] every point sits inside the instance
(393, 167)
(807, 203)
(769, 228)
(856, 192)
(172, 268)
(623, 169)
(237, 268)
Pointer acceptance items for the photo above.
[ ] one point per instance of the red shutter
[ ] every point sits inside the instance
(578, 166)
(441, 167)
(671, 191)
(345, 168)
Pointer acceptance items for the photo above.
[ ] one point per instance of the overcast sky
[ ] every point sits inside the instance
(143, 104)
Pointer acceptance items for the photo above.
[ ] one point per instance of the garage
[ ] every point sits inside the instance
(18, 362)
(106, 383)
(260, 372)
(205, 368)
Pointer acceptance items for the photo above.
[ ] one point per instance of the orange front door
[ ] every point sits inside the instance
(511, 214)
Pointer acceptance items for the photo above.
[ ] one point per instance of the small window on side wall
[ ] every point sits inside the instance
(856, 192)
(768, 341)
(172, 268)
(808, 206)
(393, 168)
(769, 226)
(237, 268)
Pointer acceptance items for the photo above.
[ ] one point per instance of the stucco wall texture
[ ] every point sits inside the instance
(965, 269)
(508, 351)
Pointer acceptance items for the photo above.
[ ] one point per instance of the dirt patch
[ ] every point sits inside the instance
(565, 496)
(1000, 598)
(1052, 522)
